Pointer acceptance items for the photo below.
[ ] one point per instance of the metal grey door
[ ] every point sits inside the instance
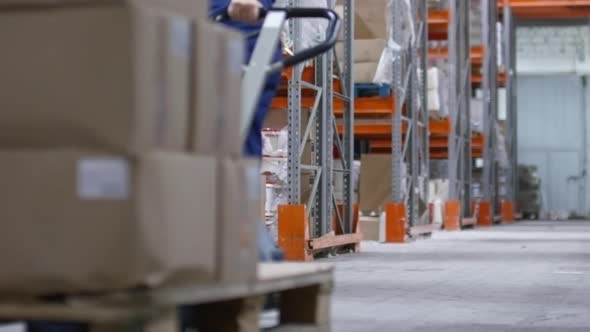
(552, 134)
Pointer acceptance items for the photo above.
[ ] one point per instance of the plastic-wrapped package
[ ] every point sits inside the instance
(274, 151)
(501, 150)
(477, 115)
(438, 89)
(384, 74)
(313, 31)
(274, 166)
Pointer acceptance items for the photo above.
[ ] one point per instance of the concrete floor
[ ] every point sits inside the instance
(530, 276)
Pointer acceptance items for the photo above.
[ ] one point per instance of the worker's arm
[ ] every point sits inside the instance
(246, 11)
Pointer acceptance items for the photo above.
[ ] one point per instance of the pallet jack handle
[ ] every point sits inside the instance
(261, 64)
(333, 28)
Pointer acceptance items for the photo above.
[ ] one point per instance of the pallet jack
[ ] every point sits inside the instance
(261, 65)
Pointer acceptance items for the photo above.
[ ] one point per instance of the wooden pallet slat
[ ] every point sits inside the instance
(304, 291)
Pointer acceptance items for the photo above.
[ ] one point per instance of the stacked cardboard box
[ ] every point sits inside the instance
(119, 153)
(370, 37)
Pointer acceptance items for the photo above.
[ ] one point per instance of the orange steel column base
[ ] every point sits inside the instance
(294, 232)
(507, 212)
(484, 215)
(395, 223)
(452, 215)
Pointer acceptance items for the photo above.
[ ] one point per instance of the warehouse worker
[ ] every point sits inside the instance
(244, 15)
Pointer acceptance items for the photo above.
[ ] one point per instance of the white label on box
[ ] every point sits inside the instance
(16, 327)
(106, 179)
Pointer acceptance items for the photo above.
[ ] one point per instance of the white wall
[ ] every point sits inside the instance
(550, 135)
(558, 49)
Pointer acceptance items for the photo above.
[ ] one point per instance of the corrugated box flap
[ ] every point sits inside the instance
(37, 4)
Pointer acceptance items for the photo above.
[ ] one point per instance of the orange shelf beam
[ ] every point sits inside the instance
(435, 143)
(545, 9)
(438, 24)
(477, 53)
(380, 130)
(364, 107)
(476, 78)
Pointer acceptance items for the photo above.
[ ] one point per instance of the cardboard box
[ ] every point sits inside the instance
(219, 74)
(365, 50)
(239, 208)
(95, 74)
(76, 220)
(370, 18)
(364, 72)
(375, 182)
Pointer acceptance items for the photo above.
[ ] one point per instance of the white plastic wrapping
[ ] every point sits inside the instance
(477, 115)
(438, 89)
(313, 31)
(274, 165)
(384, 74)
(501, 149)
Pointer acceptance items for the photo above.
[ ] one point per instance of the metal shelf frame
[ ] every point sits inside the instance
(410, 150)
(511, 122)
(460, 161)
(490, 101)
(322, 134)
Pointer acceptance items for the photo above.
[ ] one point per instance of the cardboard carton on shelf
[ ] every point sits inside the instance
(110, 75)
(365, 50)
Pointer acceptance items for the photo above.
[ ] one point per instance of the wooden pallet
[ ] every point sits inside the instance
(304, 292)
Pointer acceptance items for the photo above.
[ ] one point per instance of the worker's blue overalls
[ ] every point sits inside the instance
(252, 148)
(253, 145)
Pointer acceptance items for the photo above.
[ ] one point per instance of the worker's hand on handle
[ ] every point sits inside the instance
(247, 11)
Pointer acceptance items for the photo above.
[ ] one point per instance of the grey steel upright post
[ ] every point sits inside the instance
(409, 90)
(323, 147)
(294, 117)
(511, 114)
(490, 98)
(412, 139)
(399, 91)
(424, 117)
(418, 106)
(465, 109)
(347, 82)
(459, 100)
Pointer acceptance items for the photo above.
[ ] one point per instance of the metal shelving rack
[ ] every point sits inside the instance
(490, 102)
(509, 44)
(409, 90)
(322, 132)
(460, 160)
